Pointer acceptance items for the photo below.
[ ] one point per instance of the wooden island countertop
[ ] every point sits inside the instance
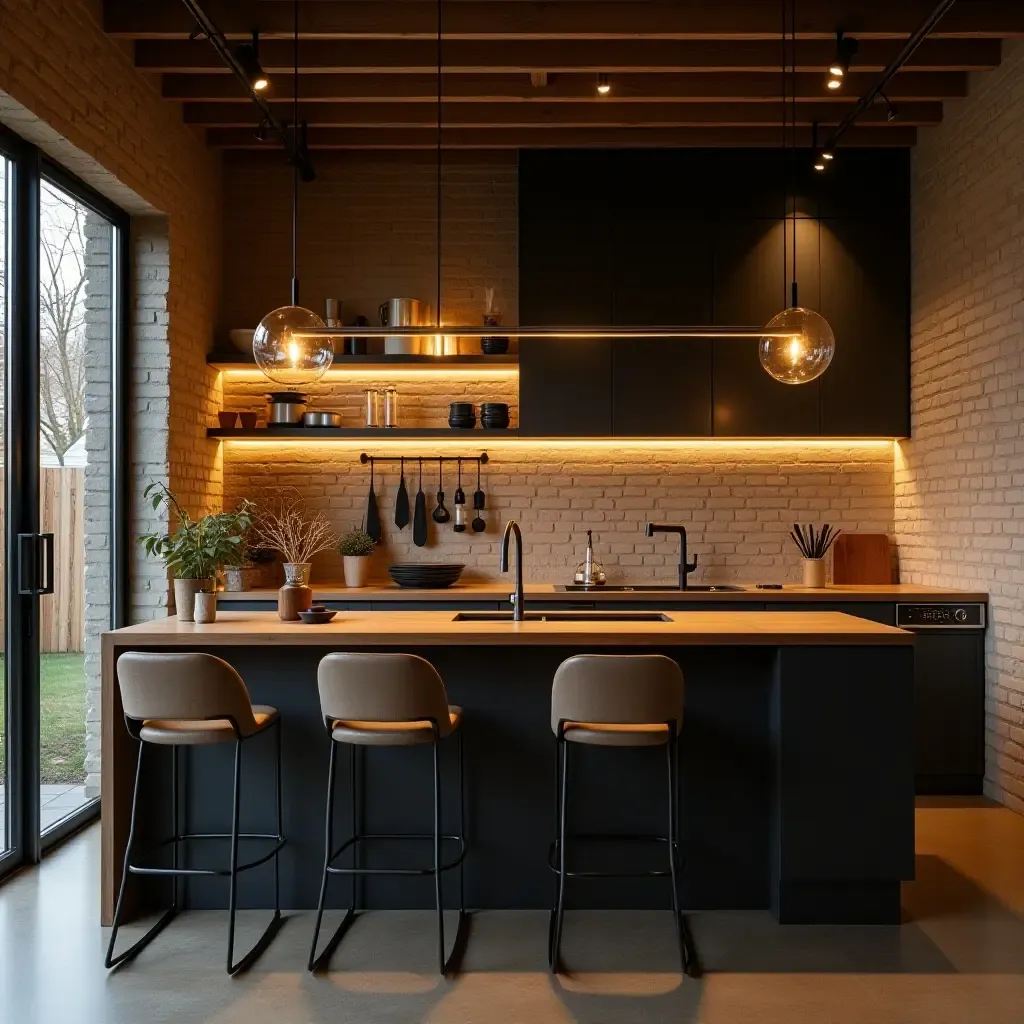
(441, 628)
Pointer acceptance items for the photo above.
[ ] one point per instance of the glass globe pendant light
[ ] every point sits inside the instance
(283, 350)
(802, 345)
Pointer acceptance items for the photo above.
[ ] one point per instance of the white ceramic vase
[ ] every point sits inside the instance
(296, 574)
(206, 606)
(357, 569)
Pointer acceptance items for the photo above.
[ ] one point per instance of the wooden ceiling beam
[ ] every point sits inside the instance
(568, 115)
(612, 56)
(561, 138)
(566, 19)
(699, 87)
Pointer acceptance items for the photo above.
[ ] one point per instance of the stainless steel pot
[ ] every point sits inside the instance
(403, 313)
(286, 408)
(321, 418)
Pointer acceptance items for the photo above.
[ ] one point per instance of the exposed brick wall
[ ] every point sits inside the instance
(74, 92)
(960, 481)
(367, 232)
(738, 501)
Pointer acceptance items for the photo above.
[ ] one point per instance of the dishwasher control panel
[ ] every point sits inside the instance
(941, 616)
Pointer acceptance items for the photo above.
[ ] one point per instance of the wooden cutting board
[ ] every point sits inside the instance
(862, 558)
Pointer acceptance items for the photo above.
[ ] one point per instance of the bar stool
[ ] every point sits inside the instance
(186, 700)
(386, 700)
(617, 701)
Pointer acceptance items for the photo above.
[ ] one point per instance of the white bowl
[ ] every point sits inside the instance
(242, 340)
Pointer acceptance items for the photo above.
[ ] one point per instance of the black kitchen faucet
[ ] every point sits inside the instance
(685, 568)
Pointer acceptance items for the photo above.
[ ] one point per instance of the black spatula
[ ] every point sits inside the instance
(402, 502)
(372, 512)
(419, 516)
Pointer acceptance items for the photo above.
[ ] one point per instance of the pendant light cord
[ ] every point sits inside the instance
(794, 298)
(783, 64)
(439, 111)
(295, 163)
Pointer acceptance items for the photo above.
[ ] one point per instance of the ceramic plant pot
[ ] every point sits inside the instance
(296, 574)
(357, 569)
(237, 579)
(185, 596)
(814, 572)
(206, 606)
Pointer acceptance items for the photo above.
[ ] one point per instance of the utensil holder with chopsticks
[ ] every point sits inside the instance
(813, 547)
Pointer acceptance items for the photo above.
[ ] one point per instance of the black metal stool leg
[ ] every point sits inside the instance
(132, 951)
(437, 857)
(315, 962)
(275, 922)
(687, 950)
(556, 939)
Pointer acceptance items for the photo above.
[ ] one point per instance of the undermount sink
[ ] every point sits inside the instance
(563, 617)
(641, 588)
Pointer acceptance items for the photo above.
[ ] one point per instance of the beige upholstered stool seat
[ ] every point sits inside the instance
(197, 732)
(618, 734)
(390, 734)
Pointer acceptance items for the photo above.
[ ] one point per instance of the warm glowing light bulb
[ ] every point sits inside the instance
(819, 165)
(603, 85)
(834, 83)
(260, 84)
(286, 353)
(828, 156)
(806, 350)
(836, 70)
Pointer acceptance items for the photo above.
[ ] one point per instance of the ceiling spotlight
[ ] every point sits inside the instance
(838, 68)
(828, 155)
(819, 163)
(891, 110)
(603, 85)
(248, 56)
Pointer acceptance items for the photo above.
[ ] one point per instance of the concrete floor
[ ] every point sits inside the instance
(959, 958)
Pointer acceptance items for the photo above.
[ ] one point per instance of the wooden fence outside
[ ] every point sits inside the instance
(62, 613)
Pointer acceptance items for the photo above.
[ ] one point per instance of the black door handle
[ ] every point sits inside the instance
(48, 547)
(33, 548)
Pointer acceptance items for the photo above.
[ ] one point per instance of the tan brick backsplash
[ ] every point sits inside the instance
(737, 500)
(959, 483)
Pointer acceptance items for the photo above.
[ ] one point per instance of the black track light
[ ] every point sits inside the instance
(891, 110)
(248, 56)
(603, 85)
(839, 67)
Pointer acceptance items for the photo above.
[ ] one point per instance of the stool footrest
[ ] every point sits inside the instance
(279, 843)
(387, 836)
(611, 837)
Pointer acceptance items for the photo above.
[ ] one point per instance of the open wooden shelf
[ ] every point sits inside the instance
(234, 360)
(474, 436)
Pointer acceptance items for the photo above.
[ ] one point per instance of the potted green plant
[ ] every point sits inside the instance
(196, 548)
(239, 566)
(355, 548)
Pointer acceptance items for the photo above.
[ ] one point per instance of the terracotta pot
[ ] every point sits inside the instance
(357, 569)
(814, 572)
(206, 606)
(185, 596)
(293, 599)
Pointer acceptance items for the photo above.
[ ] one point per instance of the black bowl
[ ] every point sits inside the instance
(465, 423)
(495, 346)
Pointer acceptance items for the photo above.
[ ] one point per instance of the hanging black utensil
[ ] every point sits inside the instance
(479, 524)
(460, 505)
(402, 501)
(440, 514)
(372, 512)
(419, 517)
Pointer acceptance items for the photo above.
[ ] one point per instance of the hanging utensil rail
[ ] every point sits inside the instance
(481, 459)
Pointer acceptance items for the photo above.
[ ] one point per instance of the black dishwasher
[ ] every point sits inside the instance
(949, 695)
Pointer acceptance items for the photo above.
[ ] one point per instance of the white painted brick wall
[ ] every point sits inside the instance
(960, 481)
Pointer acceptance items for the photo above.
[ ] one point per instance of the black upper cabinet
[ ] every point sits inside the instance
(564, 279)
(677, 237)
(661, 276)
(751, 287)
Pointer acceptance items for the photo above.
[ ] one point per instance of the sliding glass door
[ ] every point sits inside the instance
(62, 277)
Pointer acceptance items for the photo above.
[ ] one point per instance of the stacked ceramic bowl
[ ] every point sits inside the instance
(461, 416)
(425, 575)
(494, 416)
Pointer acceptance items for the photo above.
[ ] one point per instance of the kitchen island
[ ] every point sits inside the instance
(797, 757)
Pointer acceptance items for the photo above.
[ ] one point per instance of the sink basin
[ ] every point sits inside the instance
(563, 617)
(647, 588)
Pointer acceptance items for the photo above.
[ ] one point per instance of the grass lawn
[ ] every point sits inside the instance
(62, 718)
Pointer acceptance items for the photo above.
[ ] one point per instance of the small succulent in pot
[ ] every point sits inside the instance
(355, 548)
(197, 548)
